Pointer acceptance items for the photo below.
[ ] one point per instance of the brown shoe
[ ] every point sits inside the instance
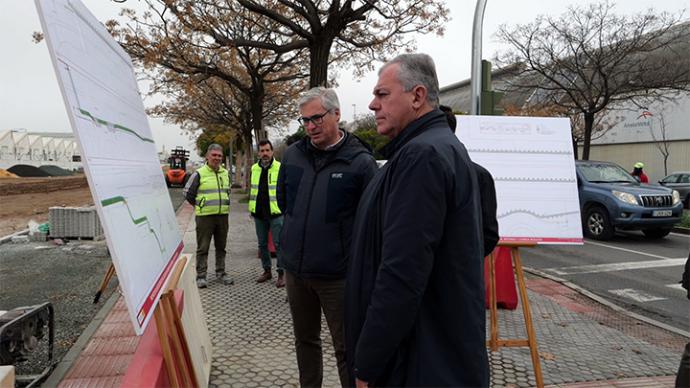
(280, 283)
(264, 276)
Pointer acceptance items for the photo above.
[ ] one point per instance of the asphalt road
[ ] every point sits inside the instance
(632, 272)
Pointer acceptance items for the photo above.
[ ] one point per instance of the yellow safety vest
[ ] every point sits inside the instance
(212, 196)
(272, 184)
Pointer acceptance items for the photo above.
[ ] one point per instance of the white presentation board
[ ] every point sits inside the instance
(118, 153)
(531, 160)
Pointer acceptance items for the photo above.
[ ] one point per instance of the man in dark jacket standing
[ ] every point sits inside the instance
(319, 185)
(415, 290)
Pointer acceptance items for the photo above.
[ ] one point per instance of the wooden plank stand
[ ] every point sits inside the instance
(494, 342)
(176, 355)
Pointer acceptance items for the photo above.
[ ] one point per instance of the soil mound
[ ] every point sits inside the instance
(55, 171)
(23, 170)
(6, 174)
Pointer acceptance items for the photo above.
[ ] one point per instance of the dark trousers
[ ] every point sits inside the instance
(207, 227)
(308, 297)
(683, 377)
(263, 226)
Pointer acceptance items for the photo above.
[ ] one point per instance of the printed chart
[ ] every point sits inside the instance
(531, 160)
(119, 156)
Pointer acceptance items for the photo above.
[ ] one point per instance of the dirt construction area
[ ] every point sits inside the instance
(25, 199)
(66, 273)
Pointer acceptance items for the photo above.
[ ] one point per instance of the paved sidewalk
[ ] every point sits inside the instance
(581, 342)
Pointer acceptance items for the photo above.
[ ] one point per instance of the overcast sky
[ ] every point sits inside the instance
(30, 97)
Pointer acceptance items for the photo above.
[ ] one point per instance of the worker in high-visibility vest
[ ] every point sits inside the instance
(208, 189)
(263, 207)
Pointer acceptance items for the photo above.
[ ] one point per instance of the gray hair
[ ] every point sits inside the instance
(328, 98)
(214, 147)
(417, 69)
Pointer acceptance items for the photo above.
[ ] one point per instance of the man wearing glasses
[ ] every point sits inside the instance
(320, 182)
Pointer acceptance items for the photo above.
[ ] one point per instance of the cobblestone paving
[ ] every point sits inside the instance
(574, 348)
(251, 331)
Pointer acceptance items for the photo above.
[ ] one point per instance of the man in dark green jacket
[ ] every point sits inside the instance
(321, 179)
(208, 189)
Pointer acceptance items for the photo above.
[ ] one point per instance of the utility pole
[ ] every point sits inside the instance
(354, 112)
(475, 80)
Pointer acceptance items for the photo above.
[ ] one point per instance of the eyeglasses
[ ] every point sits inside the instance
(315, 119)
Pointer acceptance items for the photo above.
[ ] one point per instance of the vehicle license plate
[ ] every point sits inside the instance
(662, 213)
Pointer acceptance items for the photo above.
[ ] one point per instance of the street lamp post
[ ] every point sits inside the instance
(475, 80)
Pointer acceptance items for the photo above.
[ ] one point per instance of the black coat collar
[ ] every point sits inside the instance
(413, 129)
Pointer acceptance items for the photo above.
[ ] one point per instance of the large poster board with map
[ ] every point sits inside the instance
(531, 160)
(107, 115)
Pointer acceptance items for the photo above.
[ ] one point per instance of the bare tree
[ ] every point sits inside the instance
(177, 55)
(346, 32)
(661, 140)
(589, 58)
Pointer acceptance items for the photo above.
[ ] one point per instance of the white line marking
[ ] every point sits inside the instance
(626, 250)
(676, 286)
(636, 295)
(616, 266)
(680, 235)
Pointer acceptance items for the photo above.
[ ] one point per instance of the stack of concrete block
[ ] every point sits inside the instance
(74, 222)
(38, 236)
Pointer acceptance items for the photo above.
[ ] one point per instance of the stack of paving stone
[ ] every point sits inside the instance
(74, 222)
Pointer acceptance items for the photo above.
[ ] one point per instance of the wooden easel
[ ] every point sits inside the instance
(178, 360)
(494, 342)
(104, 283)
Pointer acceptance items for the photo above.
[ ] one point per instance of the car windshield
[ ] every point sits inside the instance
(605, 173)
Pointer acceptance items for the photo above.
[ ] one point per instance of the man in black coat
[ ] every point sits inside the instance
(320, 182)
(414, 303)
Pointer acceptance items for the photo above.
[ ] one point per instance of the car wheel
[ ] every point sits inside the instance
(687, 201)
(597, 224)
(167, 181)
(658, 233)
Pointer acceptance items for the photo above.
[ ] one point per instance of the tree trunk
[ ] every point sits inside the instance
(666, 164)
(318, 62)
(589, 123)
(238, 168)
(257, 112)
(249, 159)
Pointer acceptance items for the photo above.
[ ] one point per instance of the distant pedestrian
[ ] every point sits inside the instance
(321, 180)
(263, 206)
(683, 377)
(415, 287)
(487, 194)
(208, 189)
(638, 174)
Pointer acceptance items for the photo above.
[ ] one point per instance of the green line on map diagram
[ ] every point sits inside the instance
(136, 221)
(98, 121)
